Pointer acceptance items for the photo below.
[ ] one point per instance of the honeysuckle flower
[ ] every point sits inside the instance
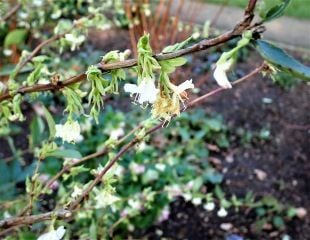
(209, 206)
(166, 106)
(75, 41)
(116, 133)
(220, 73)
(164, 215)
(69, 132)
(196, 201)
(146, 92)
(222, 212)
(136, 168)
(105, 198)
(76, 192)
(54, 234)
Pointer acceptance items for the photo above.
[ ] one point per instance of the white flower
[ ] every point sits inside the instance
(74, 40)
(2, 87)
(54, 234)
(136, 168)
(105, 198)
(222, 212)
(70, 131)
(220, 73)
(161, 167)
(196, 201)
(164, 215)
(145, 91)
(184, 86)
(209, 206)
(116, 133)
(76, 192)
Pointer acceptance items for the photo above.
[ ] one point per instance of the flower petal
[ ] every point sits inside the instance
(131, 88)
(221, 77)
(185, 85)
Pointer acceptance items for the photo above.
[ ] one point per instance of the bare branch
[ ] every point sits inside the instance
(66, 213)
(202, 45)
(11, 12)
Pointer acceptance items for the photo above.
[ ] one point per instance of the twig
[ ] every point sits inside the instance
(64, 213)
(11, 12)
(27, 220)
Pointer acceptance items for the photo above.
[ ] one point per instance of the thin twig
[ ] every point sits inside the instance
(11, 12)
(27, 220)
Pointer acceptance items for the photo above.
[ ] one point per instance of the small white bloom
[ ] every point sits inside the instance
(209, 206)
(164, 215)
(70, 131)
(196, 201)
(135, 204)
(2, 87)
(220, 74)
(54, 234)
(117, 133)
(222, 212)
(76, 192)
(184, 86)
(7, 52)
(161, 167)
(137, 168)
(104, 199)
(145, 91)
(74, 40)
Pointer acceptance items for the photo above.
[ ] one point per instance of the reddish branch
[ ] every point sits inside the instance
(26, 220)
(11, 12)
(202, 45)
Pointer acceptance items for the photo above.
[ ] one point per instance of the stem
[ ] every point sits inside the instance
(11, 12)
(200, 46)
(28, 220)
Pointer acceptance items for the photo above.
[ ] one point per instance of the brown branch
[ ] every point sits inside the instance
(62, 214)
(202, 45)
(11, 12)
(66, 213)
(28, 220)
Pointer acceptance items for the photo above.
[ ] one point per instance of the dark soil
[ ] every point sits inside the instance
(283, 157)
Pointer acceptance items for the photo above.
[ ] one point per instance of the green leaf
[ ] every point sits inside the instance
(37, 130)
(276, 11)
(35, 75)
(278, 222)
(15, 37)
(50, 122)
(64, 153)
(168, 66)
(281, 60)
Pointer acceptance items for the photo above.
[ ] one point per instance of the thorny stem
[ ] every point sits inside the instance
(27, 220)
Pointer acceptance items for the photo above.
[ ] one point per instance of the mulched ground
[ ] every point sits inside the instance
(283, 157)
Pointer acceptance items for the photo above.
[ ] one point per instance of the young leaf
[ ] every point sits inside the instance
(50, 122)
(37, 130)
(281, 60)
(64, 153)
(276, 11)
(15, 37)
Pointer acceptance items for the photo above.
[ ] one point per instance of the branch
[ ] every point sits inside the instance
(11, 12)
(67, 213)
(200, 46)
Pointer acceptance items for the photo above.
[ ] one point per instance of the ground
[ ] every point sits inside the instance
(251, 106)
(284, 158)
